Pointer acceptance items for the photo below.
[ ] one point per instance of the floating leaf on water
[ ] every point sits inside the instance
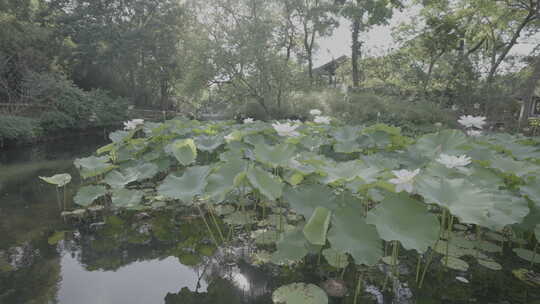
(462, 280)
(527, 255)
(206, 250)
(460, 227)
(88, 194)
(490, 264)
(59, 180)
(350, 233)
(336, 258)
(126, 198)
(299, 293)
(158, 204)
(189, 259)
(453, 249)
(56, 237)
(527, 276)
(317, 226)
(495, 236)
(489, 247)
(455, 263)
(462, 242)
(393, 218)
(187, 186)
(263, 181)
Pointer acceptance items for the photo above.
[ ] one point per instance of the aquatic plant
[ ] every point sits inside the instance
(354, 195)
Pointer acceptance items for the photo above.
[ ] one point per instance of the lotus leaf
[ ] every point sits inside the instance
(209, 143)
(93, 166)
(317, 226)
(291, 248)
(119, 179)
(185, 151)
(490, 264)
(401, 218)
(263, 181)
(185, 187)
(447, 141)
(508, 165)
(56, 237)
(240, 218)
(336, 258)
(278, 155)
(532, 190)
(455, 263)
(126, 198)
(388, 261)
(350, 233)
(146, 170)
(120, 135)
(537, 232)
(221, 181)
(527, 255)
(59, 180)
(299, 293)
(88, 194)
(305, 198)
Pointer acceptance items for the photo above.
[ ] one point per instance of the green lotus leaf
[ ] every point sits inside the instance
(507, 210)
(93, 166)
(343, 171)
(299, 293)
(347, 133)
(263, 181)
(527, 255)
(317, 226)
(447, 141)
(455, 263)
(508, 165)
(532, 190)
(293, 178)
(351, 234)
(336, 258)
(261, 257)
(490, 264)
(347, 147)
(119, 179)
(278, 155)
(382, 161)
(120, 135)
(464, 200)
(56, 237)
(59, 180)
(209, 143)
(522, 152)
(107, 148)
(453, 249)
(146, 170)
(376, 139)
(393, 218)
(305, 198)
(126, 198)
(88, 194)
(291, 248)
(388, 260)
(224, 209)
(222, 182)
(185, 187)
(489, 247)
(184, 150)
(537, 232)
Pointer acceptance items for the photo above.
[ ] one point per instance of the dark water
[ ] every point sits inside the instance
(139, 258)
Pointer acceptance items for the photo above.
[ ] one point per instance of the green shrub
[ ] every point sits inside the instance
(18, 128)
(56, 120)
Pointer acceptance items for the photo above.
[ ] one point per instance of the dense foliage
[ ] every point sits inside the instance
(303, 188)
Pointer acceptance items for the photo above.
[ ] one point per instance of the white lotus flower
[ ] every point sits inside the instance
(469, 121)
(315, 112)
(474, 133)
(132, 124)
(404, 179)
(285, 129)
(451, 161)
(322, 120)
(248, 120)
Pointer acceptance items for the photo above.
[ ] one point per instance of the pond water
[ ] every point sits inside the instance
(166, 257)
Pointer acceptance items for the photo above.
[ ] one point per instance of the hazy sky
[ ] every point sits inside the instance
(380, 38)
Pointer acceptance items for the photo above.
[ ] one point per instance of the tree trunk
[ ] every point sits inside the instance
(528, 90)
(355, 53)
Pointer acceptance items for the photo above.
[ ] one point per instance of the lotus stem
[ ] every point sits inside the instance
(358, 288)
(418, 264)
(534, 254)
(58, 198)
(212, 214)
(207, 226)
(428, 262)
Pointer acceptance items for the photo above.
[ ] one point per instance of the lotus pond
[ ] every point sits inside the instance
(219, 212)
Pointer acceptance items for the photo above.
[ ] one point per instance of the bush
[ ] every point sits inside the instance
(56, 120)
(18, 128)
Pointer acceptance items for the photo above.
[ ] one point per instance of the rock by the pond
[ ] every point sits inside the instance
(335, 288)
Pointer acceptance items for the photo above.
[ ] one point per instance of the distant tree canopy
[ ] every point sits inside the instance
(169, 53)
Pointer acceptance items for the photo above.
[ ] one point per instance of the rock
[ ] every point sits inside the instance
(335, 288)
